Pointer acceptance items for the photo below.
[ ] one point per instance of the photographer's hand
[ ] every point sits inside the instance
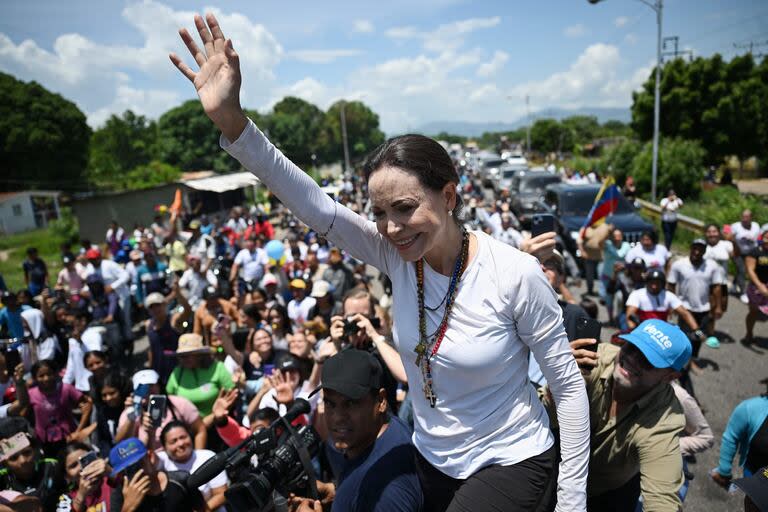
(304, 505)
(358, 340)
(337, 328)
(586, 359)
(540, 246)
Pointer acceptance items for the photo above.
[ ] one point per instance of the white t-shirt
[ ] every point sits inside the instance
(669, 209)
(195, 283)
(487, 412)
(694, 283)
(252, 263)
(664, 302)
(721, 253)
(198, 458)
(76, 373)
(746, 238)
(656, 258)
(298, 312)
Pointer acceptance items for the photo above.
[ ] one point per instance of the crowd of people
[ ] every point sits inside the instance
(444, 358)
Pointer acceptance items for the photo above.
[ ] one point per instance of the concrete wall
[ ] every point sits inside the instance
(21, 220)
(95, 213)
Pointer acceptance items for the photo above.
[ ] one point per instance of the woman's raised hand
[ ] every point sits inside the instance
(218, 80)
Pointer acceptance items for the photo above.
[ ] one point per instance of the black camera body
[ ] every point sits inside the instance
(287, 470)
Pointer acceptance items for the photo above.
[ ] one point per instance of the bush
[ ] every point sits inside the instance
(723, 205)
(65, 228)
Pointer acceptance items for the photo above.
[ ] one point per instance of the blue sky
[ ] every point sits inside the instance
(413, 61)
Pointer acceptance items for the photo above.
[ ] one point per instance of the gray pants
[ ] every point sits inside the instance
(740, 279)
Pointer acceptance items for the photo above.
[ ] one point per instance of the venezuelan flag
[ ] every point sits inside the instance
(606, 202)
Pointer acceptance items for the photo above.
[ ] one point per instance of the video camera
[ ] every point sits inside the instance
(284, 463)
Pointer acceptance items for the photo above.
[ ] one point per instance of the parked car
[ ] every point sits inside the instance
(527, 192)
(571, 204)
(506, 174)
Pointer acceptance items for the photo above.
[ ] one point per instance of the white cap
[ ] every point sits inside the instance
(148, 377)
(320, 288)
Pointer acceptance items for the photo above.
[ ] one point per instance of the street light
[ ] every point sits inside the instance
(657, 6)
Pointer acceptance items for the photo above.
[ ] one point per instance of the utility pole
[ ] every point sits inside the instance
(347, 166)
(658, 7)
(675, 53)
(528, 125)
(751, 46)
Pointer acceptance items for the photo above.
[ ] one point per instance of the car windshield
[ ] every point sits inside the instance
(509, 174)
(494, 163)
(537, 183)
(578, 202)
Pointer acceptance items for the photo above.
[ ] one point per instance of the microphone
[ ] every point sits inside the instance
(218, 463)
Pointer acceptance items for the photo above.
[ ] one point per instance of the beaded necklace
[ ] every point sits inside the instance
(429, 345)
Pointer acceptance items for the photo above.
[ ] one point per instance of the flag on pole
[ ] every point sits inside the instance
(606, 202)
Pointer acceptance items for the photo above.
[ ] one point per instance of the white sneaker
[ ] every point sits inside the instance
(744, 298)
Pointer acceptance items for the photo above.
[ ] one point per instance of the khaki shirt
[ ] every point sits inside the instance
(643, 437)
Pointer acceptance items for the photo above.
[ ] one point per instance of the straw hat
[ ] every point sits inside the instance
(191, 343)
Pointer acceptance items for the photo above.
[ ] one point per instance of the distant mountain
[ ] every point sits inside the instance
(470, 129)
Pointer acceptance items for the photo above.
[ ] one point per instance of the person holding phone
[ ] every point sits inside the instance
(504, 308)
(86, 476)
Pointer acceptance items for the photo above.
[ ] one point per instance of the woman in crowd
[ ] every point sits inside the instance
(653, 254)
(474, 382)
(669, 207)
(198, 376)
(280, 323)
(756, 264)
(97, 362)
(87, 487)
(29, 472)
(76, 372)
(614, 252)
(721, 252)
(52, 402)
(138, 425)
(110, 393)
(163, 331)
(257, 360)
(180, 455)
(41, 345)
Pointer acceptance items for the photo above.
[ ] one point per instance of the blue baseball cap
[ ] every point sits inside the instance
(126, 453)
(663, 344)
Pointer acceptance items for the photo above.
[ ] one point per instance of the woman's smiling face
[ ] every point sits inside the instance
(409, 215)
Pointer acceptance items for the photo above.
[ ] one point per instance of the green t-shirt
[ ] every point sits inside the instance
(200, 385)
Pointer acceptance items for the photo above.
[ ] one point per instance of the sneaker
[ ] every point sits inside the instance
(712, 342)
(743, 298)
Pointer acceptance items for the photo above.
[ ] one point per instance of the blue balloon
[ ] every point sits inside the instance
(275, 249)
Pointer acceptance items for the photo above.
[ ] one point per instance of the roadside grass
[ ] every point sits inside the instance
(13, 251)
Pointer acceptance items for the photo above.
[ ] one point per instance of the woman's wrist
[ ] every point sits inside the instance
(232, 124)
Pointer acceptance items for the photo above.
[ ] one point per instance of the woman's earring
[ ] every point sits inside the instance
(450, 213)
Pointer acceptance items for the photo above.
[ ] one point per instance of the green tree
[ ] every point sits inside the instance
(296, 127)
(584, 128)
(681, 167)
(617, 160)
(123, 143)
(189, 141)
(43, 138)
(548, 135)
(363, 133)
(615, 128)
(148, 175)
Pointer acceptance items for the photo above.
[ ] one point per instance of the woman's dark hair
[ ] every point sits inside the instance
(252, 312)
(210, 293)
(113, 379)
(420, 155)
(706, 228)
(44, 363)
(259, 291)
(71, 447)
(98, 353)
(171, 425)
(284, 318)
(265, 414)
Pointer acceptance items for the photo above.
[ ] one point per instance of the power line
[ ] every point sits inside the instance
(675, 53)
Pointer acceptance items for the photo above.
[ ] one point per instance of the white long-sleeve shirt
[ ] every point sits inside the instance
(113, 275)
(487, 412)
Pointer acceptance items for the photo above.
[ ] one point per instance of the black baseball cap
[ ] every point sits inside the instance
(351, 372)
(756, 487)
(638, 263)
(288, 362)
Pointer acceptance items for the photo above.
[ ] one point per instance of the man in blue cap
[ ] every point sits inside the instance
(144, 488)
(636, 420)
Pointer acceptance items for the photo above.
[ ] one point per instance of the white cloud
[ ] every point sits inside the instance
(98, 77)
(449, 36)
(494, 65)
(621, 21)
(362, 26)
(322, 56)
(576, 30)
(594, 79)
(486, 93)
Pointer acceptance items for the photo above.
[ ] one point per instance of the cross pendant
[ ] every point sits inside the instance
(430, 395)
(420, 350)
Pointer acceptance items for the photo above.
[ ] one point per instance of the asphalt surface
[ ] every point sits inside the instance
(731, 374)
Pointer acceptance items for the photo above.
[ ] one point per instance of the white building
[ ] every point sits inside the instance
(27, 210)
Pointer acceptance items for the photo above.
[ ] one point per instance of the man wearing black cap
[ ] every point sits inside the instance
(369, 451)
(697, 282)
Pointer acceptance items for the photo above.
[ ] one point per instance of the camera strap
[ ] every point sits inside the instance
(304, 457)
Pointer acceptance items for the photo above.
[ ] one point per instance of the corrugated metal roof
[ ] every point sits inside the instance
(224, 182)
